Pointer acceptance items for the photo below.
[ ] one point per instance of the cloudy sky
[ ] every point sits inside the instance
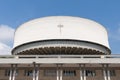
(15, 12)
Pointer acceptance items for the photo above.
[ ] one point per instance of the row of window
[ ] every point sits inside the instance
(54, 73)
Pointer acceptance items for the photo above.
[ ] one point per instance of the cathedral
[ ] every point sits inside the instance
(60, 48)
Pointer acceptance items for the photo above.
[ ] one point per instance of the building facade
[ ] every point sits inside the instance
(60, 48)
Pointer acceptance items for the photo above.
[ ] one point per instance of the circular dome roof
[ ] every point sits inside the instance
(63, 28)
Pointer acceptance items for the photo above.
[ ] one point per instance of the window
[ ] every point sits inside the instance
(112, 73)
(50, 72)
(90, 73)
(7, 72)
(69, 73)
(28, 72)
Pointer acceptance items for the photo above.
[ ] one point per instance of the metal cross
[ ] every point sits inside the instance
(60, 26)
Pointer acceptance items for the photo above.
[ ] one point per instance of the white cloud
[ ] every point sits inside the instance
(6, 34)
(4, 49)
(6, 39)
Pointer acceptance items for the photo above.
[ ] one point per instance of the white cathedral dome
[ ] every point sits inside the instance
(58, 28)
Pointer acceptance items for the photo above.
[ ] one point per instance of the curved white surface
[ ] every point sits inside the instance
(74, 28)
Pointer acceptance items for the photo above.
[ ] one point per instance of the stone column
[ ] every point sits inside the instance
(11, 72)
(14, 71)
(34, 78)
(105, 71)
(108, 73)
(81, 75)
(37, 73)
(105, 75)
(84, 74)
(81, 72)
(61, 75)
(59, 72)
(34, 71)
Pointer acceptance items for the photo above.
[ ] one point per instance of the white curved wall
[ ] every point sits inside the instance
(73, 28)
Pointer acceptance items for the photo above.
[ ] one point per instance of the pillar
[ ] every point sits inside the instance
(57, 73)
(108, 73)
(11, 71)
(14, 71)
(104, 74)
(61, 74)
(34, 78)
(81, 75)
(84, 74)
(37, 73)
(34, 71)
(81, 72)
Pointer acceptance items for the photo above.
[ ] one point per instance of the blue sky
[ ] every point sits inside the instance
(15, 12)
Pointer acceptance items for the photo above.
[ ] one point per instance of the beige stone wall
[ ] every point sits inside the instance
(98, 76)
(2, 75)
(21, 75)
(43, 77)
(117, 77)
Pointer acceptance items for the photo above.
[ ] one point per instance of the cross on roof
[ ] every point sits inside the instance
(60, 26)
